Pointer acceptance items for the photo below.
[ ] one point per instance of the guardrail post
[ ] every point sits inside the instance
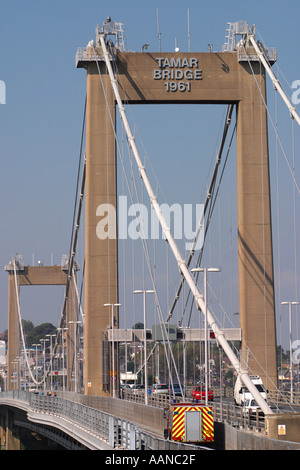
(132, 441)
(111, 432)
(119, 426)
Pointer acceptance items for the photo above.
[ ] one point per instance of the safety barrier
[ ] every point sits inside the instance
(222, 412)
(162, 399)
(120, 432)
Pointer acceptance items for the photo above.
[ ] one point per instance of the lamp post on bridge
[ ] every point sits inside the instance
(144, 292)
(113, 344)
(75, 322)
(205, 270)
(63, 354)
(44, 340)
(290, 328)
(18, 363)
(15, 374)
(51, 361)
(36, 370)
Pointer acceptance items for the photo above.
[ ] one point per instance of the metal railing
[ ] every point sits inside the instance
(161, 399)
(222, 412)
(270, 53)
(235, 416)
(125, 434)
(113, 431)
(88, 54)
(284, 397)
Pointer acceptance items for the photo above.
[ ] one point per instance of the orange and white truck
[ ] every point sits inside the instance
(191, 423)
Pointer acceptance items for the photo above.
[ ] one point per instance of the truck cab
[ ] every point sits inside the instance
(241, 393)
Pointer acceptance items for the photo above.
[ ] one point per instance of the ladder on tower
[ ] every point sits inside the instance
(239, 28)
(228, 46)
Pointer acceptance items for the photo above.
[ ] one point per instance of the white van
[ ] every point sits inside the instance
(241, 393)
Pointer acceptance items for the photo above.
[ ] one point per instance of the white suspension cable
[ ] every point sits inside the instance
(77, 295)
(180, 261)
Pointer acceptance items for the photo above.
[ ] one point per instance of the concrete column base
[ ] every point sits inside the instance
(12, 440)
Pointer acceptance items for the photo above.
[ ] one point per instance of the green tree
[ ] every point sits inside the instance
(28, 326)
(39, 332)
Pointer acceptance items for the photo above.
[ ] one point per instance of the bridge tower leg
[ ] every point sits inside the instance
(255, 256)
(2, 431)
(100, 247)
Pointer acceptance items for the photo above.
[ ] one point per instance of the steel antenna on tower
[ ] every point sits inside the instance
(189, 34)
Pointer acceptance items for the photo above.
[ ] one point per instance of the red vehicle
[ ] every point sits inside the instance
(199, 393)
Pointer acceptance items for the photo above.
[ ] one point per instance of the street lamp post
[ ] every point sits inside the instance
(15, 380)
(290, 328)
(51, 361)
(113, 344)
(44, 348)
(63, 354)
(75, 322)
(36, 370)
(30, 350)
(205, 270)
(144, 292)
(18, 358)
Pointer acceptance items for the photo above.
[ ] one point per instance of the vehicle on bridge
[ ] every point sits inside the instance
(199, 393)
(190, 423)
(241, 393)
(252, 410)
(160, 389)
(128, 378)
(124, 387)
(177, 390)
(139, 388)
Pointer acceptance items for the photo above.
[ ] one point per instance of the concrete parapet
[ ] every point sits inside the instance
(284, 427)
(228, 437)
(146, 417)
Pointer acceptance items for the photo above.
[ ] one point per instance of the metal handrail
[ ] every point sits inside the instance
(270, 53)
(222, 412)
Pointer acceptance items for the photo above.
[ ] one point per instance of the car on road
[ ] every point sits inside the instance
(177, 390)
(123, 388)
(199, 393)
(252, 410)
(160, 389)
(138, 388)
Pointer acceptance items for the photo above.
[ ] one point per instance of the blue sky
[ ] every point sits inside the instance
(40, 124)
